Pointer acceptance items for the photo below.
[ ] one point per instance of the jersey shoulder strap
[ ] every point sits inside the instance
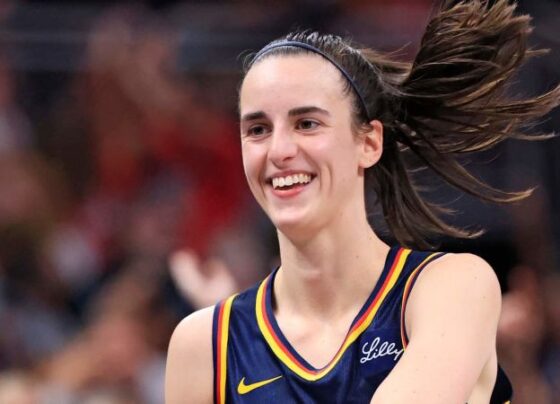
(220, 335)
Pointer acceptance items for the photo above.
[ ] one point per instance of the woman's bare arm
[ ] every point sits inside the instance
(189, 372)
(451, 319)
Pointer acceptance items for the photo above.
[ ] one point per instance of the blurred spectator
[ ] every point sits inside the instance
(551, 354)
(151, 123)
(32, 298)
(120, 352)
(17, 388)
(521, 334)
(15, 128)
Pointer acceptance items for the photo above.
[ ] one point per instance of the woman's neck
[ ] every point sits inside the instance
(332, 272)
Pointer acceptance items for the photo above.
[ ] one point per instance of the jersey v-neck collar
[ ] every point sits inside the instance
(394, 264)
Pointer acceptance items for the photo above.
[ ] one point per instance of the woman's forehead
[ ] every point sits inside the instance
(303, 78)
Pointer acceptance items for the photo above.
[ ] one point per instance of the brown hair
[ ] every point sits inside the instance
(449, 101)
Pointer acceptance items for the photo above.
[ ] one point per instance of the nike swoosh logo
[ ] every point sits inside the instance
(243, 388)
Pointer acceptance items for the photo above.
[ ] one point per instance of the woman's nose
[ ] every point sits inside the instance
(283, 147)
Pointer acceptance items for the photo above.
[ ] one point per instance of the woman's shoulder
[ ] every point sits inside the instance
(195, 327)
(189, 369)
(440, 269)
(457, 285)
(190, 357)
(462, 270)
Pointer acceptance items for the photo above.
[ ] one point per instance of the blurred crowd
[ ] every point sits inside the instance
(123, 205)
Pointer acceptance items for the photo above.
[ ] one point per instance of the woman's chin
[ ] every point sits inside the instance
(289, 223)
(296, 225)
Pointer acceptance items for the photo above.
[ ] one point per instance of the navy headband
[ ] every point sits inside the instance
(313, 49)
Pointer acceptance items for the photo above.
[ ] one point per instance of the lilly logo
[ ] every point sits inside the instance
(378, 349)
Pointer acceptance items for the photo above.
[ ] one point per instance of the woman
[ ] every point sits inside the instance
(346, 318)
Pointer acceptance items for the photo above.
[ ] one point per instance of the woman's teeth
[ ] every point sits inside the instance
(289, 180)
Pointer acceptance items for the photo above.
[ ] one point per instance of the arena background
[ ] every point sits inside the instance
(123, 205)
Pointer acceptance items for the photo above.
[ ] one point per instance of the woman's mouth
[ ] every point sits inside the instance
(291, 184)
(290, 181)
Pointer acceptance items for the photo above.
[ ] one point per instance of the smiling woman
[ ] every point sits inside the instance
(347, 318)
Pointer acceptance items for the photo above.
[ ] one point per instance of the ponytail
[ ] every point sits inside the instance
(453, 101)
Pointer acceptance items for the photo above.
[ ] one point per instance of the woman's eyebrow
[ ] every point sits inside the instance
(307, 110)
(251, 116)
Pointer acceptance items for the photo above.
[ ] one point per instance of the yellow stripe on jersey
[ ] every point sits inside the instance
(222, 349)
(284, 354)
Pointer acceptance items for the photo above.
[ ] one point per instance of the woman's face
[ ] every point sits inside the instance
(302, 161)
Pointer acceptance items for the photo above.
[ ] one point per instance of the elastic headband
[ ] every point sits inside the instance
(313, 49)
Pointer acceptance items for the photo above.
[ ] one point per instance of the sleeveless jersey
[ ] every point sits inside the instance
(255, 363)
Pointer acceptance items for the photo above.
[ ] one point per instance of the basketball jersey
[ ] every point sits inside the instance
(255, 363)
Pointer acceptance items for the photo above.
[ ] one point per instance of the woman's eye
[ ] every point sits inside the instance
(307, 124)
(256, 130)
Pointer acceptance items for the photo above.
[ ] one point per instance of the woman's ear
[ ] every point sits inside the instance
(371, 145)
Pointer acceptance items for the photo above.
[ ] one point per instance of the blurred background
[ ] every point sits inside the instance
(123, 205)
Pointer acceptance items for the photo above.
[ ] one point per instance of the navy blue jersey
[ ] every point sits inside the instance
(255, 363)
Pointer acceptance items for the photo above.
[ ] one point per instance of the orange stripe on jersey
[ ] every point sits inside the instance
(406, 293)
(221, 362)
(283, 353)
(279, 349)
